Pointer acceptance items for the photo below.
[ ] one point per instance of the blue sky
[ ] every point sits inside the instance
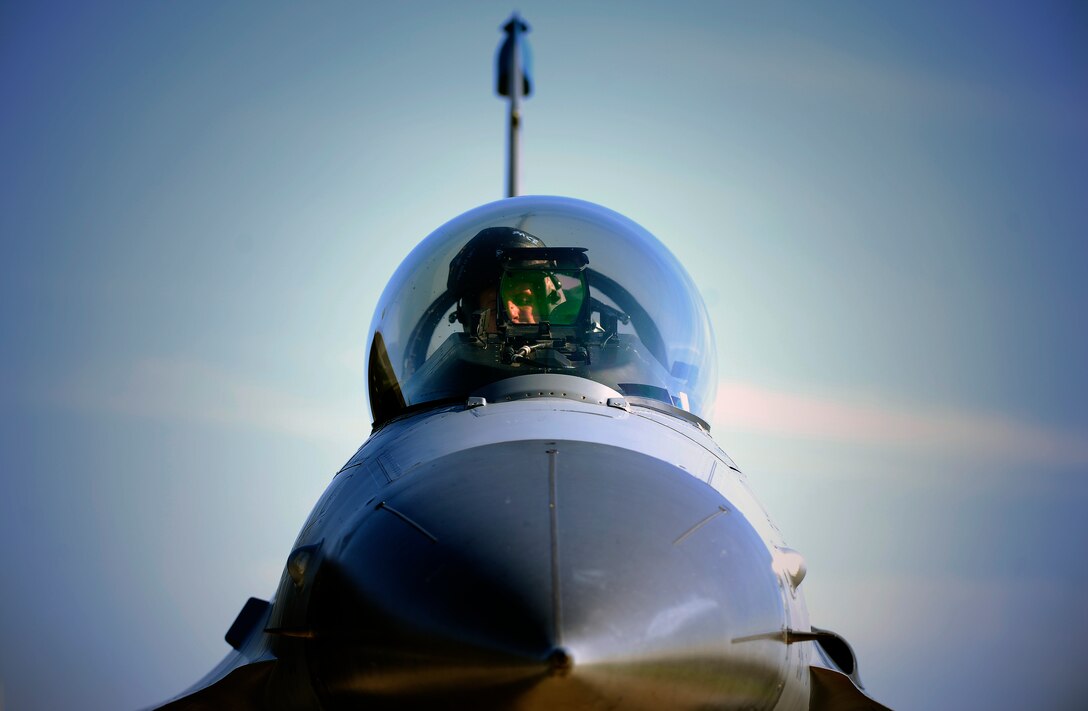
(884, 208)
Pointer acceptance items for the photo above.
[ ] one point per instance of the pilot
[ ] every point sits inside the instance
(532, 297)
(474, 280)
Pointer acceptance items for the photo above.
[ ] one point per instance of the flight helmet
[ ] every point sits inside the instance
(479, 264)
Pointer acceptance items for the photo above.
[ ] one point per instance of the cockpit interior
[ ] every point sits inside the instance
(540, 285)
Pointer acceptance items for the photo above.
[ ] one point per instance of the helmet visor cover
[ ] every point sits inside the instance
(529, 296)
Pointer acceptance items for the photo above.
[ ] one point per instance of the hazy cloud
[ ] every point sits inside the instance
(750, 407)
(187, 390)
(193, 391)
(804, 67)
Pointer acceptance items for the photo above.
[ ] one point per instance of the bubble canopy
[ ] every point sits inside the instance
(532, 285)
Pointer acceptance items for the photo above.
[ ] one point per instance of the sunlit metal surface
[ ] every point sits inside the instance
(541, 525)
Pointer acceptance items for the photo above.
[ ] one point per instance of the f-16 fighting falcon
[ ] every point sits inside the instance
(540, 518)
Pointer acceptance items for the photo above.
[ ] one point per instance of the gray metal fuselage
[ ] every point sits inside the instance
(548, 546)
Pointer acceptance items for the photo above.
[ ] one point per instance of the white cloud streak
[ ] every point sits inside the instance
(750, 407)
(803, 67)
(186, 390)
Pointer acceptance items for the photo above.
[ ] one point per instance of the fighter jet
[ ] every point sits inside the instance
(540, 518)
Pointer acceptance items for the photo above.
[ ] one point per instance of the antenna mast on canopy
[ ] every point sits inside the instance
(513, 68)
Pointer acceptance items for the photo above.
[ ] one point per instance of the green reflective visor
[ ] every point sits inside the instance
(530, 296)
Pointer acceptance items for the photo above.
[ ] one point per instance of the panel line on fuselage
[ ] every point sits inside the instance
(691, 531)
(386, 507)
(553, 510)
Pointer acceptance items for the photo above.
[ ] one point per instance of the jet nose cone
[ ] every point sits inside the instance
(543, 575)
(442, 587)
